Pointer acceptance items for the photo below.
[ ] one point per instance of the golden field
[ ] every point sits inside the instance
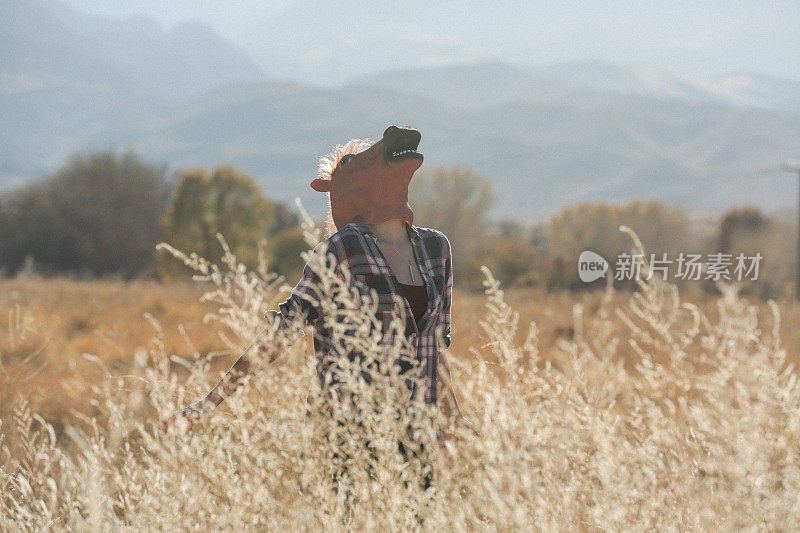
(49, 325)
(622, 411)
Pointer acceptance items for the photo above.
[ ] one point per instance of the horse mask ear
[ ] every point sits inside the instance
(321, 185)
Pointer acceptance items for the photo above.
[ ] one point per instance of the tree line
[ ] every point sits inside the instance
(103, 214)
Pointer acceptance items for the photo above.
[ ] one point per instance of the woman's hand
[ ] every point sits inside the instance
(183, 420)
(187, 417)
(458, 425)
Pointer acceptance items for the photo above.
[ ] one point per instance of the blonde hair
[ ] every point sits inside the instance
(327, 165)
(329, 162)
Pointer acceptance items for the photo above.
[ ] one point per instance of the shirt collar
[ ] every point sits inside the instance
(413, 232)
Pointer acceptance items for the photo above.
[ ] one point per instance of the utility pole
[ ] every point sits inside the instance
(795, 167)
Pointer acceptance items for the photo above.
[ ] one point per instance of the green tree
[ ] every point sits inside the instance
(227, 202)
(99, 214)
(284, 250)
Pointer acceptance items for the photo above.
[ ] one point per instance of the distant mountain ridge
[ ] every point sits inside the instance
(45, 44)
(548, 137)
(493, 82)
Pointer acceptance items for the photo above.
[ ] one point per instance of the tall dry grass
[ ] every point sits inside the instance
(695, 427)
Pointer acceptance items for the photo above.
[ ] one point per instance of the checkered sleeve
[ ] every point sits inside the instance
(447, 299)
(302, 305)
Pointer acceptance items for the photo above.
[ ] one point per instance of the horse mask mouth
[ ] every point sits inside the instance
(401, 144)
(371, 185)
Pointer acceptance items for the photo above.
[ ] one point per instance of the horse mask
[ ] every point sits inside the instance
(369, 183)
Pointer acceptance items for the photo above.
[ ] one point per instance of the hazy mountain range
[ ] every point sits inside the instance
(548, 137)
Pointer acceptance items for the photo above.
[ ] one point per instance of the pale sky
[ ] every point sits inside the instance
(689, 37)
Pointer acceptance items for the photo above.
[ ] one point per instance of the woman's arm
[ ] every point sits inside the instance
(226, 386)
(299, 308)
(231, 381)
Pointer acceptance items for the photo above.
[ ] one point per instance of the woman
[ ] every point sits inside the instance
(373, 237)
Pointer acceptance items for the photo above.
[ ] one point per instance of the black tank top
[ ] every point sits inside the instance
(417, 298)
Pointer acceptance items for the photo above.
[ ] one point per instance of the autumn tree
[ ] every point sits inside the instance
(595, 227)
(748, 231)
(743, 224)
(512, 261)
(454, 201)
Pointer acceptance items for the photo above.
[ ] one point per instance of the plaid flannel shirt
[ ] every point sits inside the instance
(354, 246)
